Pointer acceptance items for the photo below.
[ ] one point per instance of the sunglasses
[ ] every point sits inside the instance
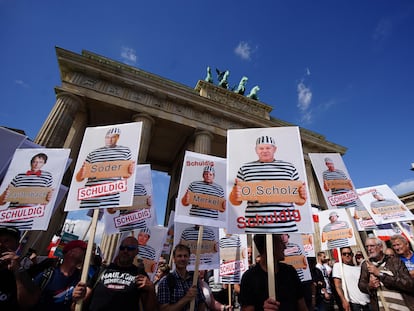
(347, 254)
(129, 248)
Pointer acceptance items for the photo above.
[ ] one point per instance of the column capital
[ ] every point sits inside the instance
(146, 116)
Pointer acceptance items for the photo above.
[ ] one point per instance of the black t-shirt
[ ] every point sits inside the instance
(8, 291)
(254, 288)
(116, 289)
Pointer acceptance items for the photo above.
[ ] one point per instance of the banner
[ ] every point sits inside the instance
(31, 187)
(105, 169)
(266, 182)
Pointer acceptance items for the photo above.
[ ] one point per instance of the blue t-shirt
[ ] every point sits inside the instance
(57, 294)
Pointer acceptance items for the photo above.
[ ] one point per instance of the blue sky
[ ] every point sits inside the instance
(343, 69)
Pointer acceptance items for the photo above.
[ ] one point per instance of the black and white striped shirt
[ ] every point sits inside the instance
(104, 154)
(212, 189)
(261, 171)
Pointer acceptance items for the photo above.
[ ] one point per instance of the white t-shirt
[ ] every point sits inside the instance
(351, 282)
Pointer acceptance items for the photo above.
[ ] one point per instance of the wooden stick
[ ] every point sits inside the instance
(229, 293)
(197, 262)
(270, 266)
(87, 260)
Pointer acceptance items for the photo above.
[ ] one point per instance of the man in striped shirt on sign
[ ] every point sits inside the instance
(110, 152)
(206, 186)
(269, 217)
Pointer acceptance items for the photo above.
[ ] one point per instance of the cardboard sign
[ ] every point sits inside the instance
(28, 195)
(206, 201)
(388, 209)
(271, 191)
(339, 184)
(107, 169)
(231, 254)
(337, 234)
(206, 247)
(297, 261)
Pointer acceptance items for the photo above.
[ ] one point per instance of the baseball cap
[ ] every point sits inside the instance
(74, 244)
(14, 232)
(266, 140)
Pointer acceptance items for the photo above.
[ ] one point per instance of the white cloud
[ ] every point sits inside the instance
(21, 83)
(243, 50)
(308, 73)
(304, 96)
(403, 187)
(383, 30)
(128, 55)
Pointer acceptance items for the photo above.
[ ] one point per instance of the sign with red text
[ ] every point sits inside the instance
(31, 187)
(201, 195)
(267, 189)
(104, 174)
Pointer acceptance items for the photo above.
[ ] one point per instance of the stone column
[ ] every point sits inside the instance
(202, 142)
(57, 125)
(147, 123)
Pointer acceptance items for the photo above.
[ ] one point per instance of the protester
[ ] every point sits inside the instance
(388, 274)
(211, 303)
(346, 277)
(254, 292)
(176, 290)
(16, 287)
(122, 285)
(401, 246)
(322, 264)
(60, 286)
(162, 270)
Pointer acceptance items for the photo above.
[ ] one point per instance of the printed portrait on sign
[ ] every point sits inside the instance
(141, 213)
(384, 205)
(105, 169)
(266, 182)
(335, 182)
(31, 186)
(336, 229)
(201, 194)
(209, 249)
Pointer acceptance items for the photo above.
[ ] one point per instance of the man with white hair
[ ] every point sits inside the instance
(402, 249)
(272, 217)
(388, 274)
(110, 152)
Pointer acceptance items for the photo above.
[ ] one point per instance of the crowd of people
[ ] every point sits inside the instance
(351, 283)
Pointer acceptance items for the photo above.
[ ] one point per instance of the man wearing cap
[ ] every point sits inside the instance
(110, 152)
(60, 286)
(16, 287)
(333, 225)
(338, 175)
(208, 187)
(263, 169)
(122, 285)
(35, 177)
